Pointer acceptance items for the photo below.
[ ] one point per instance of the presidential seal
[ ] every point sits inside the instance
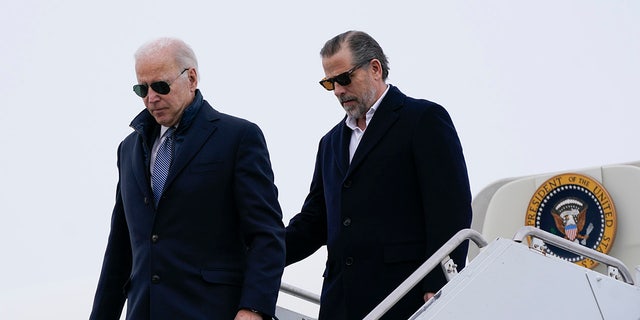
(575, 207)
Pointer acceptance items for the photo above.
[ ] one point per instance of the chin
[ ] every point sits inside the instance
(163, 121)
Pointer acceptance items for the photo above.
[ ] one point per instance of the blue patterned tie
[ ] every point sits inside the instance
(162, 164)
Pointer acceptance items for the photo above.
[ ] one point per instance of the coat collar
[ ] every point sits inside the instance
(145, 124)
(196, 126)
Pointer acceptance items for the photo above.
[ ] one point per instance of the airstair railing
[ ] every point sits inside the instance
(441, 256)
(300, 293)
(615, 267)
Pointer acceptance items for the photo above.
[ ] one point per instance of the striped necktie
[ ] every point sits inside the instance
(162, 164)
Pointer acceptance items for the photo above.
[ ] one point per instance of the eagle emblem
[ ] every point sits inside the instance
(570, 216)
(575, 207)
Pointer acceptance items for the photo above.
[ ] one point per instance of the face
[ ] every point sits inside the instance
(167, 109)
(357, 97)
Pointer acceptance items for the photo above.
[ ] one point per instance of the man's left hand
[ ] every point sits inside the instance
(428, 296)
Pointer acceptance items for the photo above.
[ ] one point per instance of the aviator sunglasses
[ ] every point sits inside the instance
(160, 87)
(343, 79)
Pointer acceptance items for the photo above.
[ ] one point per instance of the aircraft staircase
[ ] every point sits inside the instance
(514, 276)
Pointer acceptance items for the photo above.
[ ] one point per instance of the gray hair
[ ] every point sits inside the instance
(182, 52)
(362, 46)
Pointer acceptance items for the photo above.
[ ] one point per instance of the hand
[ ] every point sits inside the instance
(428, 296)
(247, 315)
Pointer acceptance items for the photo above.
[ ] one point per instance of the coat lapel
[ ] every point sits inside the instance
(140, 167)
(340, 147)
(192, 141)
(384, 117)
(145, 126)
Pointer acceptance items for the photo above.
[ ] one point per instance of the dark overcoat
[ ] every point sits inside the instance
(215, 241)
(404, 194)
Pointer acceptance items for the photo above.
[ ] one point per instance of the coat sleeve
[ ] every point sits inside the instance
(116, 268)
(307, 230)
(256, 197)
(444, 187)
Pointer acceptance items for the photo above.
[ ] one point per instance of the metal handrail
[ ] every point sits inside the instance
(417, 276)
(300, 293)
(547, 237)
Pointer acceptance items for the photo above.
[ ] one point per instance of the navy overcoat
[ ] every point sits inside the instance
(215, 241)
(403, 195)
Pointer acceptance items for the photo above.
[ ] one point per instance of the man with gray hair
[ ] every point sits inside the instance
(196, 231)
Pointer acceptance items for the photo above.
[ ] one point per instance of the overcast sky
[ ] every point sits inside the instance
(532, 87)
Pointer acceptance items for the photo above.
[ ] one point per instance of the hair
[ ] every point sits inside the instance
(182, 52)
(362, 46)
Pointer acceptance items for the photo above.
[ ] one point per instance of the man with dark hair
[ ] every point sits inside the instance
(390, 186)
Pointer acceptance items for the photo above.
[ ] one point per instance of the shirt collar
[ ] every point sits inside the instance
(164, 129)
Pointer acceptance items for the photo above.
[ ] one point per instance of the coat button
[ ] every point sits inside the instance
(146, 200)
(155, 278)
(346, 222)
(348, 261)
(347, 184)
(154, 238)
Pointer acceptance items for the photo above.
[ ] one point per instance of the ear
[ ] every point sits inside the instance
(376, 68)
(193, 79)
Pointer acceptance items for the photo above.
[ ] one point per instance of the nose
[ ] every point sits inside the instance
(152, 95)
(338, 89)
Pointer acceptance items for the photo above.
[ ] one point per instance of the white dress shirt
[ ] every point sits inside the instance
(356, 132)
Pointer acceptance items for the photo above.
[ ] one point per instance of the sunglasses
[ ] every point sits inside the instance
(160, 87)
(343, 79)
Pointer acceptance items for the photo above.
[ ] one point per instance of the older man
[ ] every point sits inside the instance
(196, 231)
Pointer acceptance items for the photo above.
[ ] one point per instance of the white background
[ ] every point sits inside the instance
(532, 87)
